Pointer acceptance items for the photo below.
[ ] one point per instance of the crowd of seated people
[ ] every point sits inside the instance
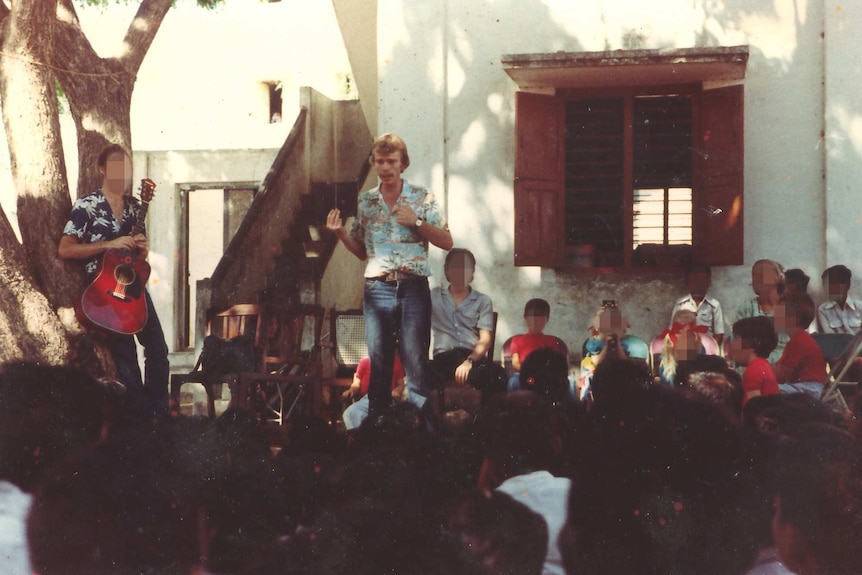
(646, 479)
(676, 466)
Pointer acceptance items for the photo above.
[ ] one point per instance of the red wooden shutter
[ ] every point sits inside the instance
(539, 180)
(717, 222)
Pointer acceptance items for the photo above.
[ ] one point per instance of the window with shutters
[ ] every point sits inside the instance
(647, 175)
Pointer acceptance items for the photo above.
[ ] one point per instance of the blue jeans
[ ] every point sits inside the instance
(812, 388)
(147, 397)
(355, 413)
(397, 316)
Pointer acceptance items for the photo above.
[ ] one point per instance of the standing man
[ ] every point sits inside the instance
(394, 224)
(106, 220)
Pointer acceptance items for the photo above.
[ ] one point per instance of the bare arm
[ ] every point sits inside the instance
(516, 362)
(70, 248)
(335, 224)
(479, 351)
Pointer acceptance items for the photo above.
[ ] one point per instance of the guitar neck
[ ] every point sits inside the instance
(140, 221)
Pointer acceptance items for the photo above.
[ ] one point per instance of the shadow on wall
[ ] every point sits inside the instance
(444, 90)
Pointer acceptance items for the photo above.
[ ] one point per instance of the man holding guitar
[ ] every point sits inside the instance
(106, 229)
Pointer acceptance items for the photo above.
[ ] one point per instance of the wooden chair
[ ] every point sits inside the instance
(283, 369)
(240, 320)
(289, 371)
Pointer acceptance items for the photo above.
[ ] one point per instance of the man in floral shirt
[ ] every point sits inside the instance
(394, 224)
(106, 220)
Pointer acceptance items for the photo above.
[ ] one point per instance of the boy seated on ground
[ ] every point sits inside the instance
(356, 412)
(537, 312)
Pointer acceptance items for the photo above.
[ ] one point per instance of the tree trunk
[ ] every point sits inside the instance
(29, 328)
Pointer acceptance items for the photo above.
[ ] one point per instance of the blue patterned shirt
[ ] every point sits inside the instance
(92, 220)
(389, 245)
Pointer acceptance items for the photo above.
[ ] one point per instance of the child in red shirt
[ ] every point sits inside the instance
(537, 312)
(801, 367)
(754, 339)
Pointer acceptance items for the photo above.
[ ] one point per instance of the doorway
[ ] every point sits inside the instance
(210, 217)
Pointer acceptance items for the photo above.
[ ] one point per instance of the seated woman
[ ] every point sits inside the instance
(683, 350)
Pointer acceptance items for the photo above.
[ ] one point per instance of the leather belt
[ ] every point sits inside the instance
(396, 276)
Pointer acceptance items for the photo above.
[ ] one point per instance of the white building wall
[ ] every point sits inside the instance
(843, 140)
(443, 89)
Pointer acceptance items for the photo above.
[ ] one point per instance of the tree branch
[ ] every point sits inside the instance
(141, 32)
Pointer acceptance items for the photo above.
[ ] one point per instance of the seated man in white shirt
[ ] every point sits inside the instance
(840, 314)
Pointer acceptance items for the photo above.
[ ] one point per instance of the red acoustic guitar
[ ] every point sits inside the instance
(115, 300)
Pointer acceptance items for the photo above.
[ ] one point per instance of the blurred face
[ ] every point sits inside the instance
(611, 321)
(740, 350)
(698, 284)
(784, 320)
(837, 292)
(687, 344)
(459, 272)
(388, 167)
(117, 172)
(535, 323)
(764, 279)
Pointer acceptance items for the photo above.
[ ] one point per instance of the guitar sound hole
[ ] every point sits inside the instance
(124, 275)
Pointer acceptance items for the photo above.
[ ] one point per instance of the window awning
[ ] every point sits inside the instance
(626, 67)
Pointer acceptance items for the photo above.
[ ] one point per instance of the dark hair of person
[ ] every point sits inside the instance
(663, 488)
(47, 412)
(614, 378)
(798, 278)
(518, 432)
(537, 306)
(838, 275)
(820, 494)
(700, 269)
(758, 333)
(108, 151)
(720, 388)
(785, 414)
(504, 535)
(801, 307)
(546, 373)
(127, 505)
(462, 254)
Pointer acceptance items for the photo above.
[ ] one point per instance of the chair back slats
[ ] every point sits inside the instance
(348, 333)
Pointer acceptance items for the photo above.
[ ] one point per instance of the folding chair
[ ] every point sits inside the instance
(830, 344)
